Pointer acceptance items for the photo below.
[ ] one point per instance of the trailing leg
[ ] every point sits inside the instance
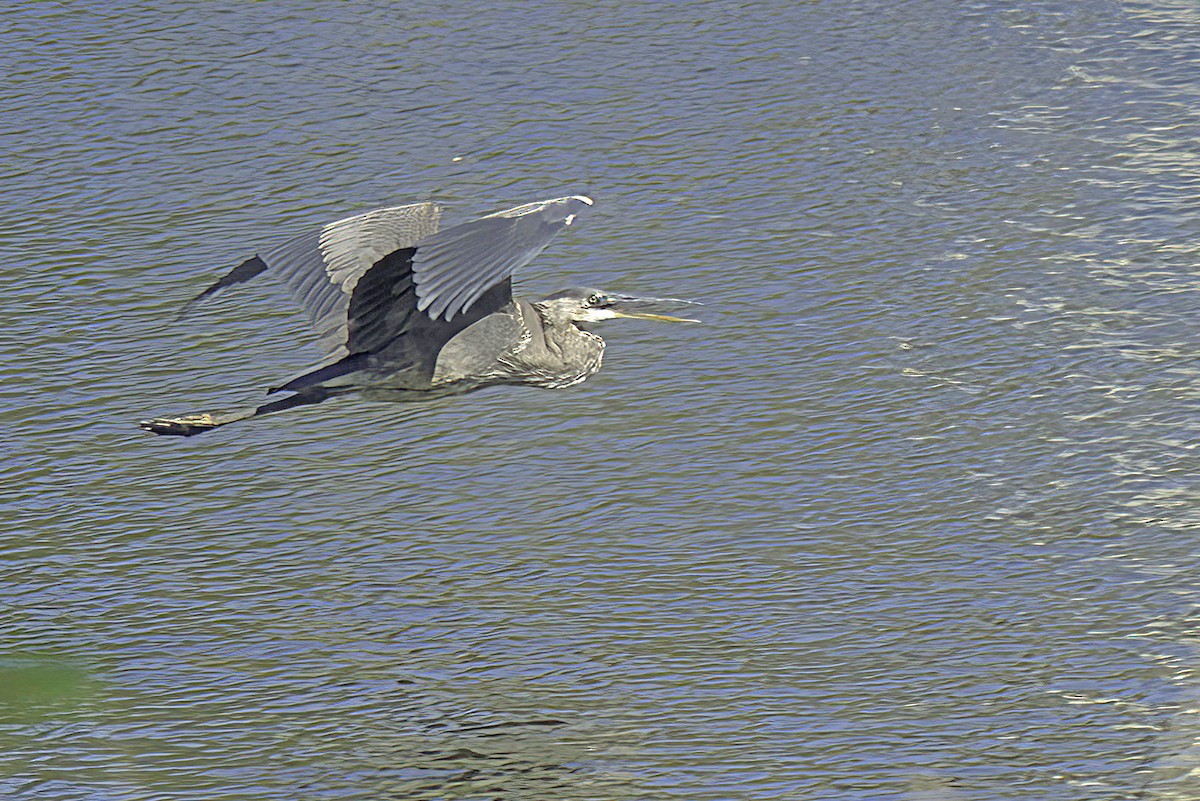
(187, 425)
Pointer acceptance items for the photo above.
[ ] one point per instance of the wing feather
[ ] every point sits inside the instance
(320, 270)
(455, 267)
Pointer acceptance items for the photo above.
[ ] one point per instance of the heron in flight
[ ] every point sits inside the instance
(405, 310)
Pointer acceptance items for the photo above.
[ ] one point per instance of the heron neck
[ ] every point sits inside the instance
(553, 320)
(558, 330)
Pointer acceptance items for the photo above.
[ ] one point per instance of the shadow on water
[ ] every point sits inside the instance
(473, 753)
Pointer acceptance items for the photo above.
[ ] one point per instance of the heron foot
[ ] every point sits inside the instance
(183, 426)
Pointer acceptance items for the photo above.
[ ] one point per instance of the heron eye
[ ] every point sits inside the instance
(595, 300)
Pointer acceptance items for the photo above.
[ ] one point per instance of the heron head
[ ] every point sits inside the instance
(583, 305)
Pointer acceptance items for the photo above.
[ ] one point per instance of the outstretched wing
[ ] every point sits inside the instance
(453, 268)
(452, 278)
(366, 280)
(321, 270)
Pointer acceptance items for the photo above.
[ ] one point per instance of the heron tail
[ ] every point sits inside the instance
(188, 425)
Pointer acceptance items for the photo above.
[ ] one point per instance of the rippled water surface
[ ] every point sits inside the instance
(912, 516)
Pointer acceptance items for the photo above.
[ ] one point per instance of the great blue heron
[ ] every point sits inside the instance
(405, 311)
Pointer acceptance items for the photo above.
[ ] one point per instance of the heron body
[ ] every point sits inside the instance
(548, 350)
(405, 310)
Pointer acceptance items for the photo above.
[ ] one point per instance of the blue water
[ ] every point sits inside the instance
(911, 516)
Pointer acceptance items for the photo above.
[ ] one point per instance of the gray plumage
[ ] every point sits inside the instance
(404, 310)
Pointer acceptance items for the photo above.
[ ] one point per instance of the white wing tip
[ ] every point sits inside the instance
(583, 199)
